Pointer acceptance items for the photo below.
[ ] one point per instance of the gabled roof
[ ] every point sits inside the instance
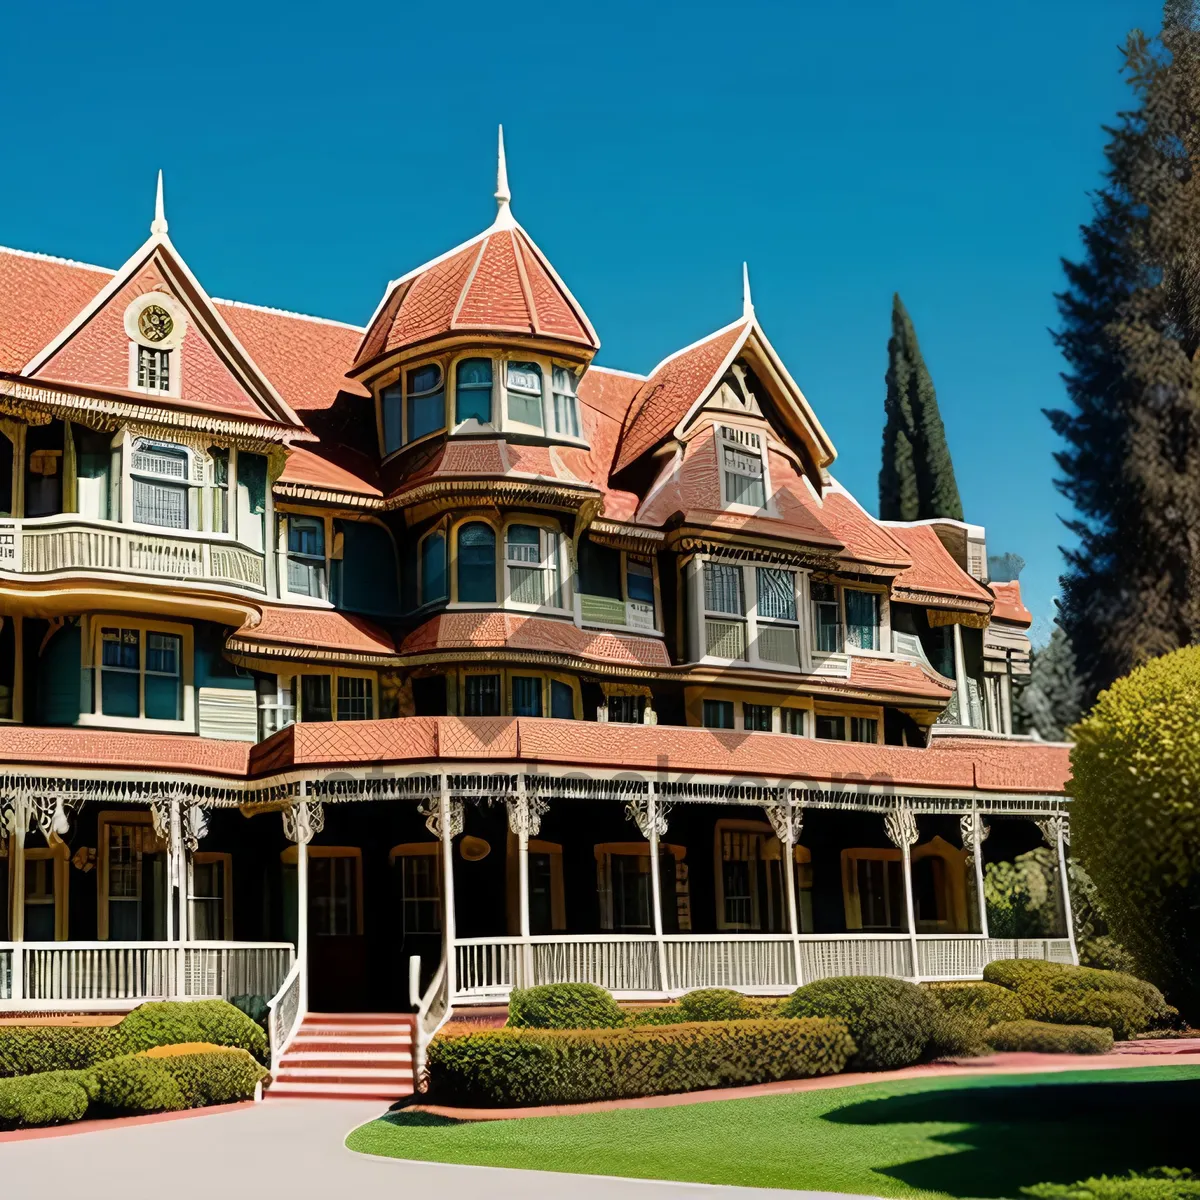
(934, 571)
(1009, 605)
(682, 382)
(498, 282)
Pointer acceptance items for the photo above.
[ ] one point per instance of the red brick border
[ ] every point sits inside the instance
(100, 1124)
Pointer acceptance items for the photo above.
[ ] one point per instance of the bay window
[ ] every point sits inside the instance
(524, 389)
(827, 618)
(433, 567)
(776, 623)
(425, 402)
(526, 696)
(473, 391)
(476, 563)
(532, 556)
(724, 611)
(751, 614)
(161, 475)
(306, 556)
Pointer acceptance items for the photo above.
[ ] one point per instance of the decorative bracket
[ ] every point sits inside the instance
(1055, 829)
(527, 811)
(974, 831)
(195, 827)
(431, 810)
(901, 827)
(638, 811)
(777, 814)
(301, 821)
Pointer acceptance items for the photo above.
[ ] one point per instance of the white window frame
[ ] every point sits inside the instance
(630, 606)
(283, 554)
(472, 425)
(885, 650)
(750, 620)
(401, 854)
(190, 481)
(92, 641)
(750, 444)
(552, 562)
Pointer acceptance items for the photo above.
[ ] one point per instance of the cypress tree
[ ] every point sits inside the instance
(1131, 331)
(916, 481)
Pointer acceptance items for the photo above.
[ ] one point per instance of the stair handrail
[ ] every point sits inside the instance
(433, 1012)
(284, 1015)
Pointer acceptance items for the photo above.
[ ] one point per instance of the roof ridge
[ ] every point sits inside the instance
(716, 333)
(617, 371)
(54, 258)
(287, 312)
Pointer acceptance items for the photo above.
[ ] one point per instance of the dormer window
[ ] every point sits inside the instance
(743, 477)
(524, 385)
(566, 403)
(153, 369)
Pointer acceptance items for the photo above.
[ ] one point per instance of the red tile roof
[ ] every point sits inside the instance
(902, 678)
(498, 282)
(496, 630)
(306, 468)
(71, 748)
(317, 628)
(1009, 605)
(933, 567)
(673, 387)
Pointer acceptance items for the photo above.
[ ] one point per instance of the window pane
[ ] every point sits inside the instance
(639, 579)
(626, 710)
(315, 698)
(523, 542)
(864, 729)
(776, 594)
(163, 652)
(482, 696)
(433, 568)
(566, 406)
(473, 391)
(354, 698)
(119, 648)
(599, 569)
(426, 414)
(862, 619)
(831, 728)
(757, 717)
(562, 700)
(525, 393)
(160, 504)
(718, 714)
(792, 721)
(744, 489)
(526, 696)
(391, 399)
(306, 537)
(826, 618)
(119, 693)
(723, 588)
(477, 563)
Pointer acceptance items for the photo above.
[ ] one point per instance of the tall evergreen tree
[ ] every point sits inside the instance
(1130, 332)
(1052, 701)
(917, 478)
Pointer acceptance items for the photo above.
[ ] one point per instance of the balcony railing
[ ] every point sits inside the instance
(630, 965)
(69, 543)
(98, 974)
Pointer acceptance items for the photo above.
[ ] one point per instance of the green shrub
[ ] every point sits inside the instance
(564, 1006)
(166, 1022)
(1044, 1038)
(1121, 1012)
(990, 1002)
(891, 1021)
(49, 1098)
(254, 1006)
(956, 1033)
(653, 1014)
(216, 1076)
(134, 1083)
(1159, 1183)
(533, 1066)
(34, 1049)
(714, 1004)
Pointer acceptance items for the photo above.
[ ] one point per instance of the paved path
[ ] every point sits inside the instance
(293, 1149)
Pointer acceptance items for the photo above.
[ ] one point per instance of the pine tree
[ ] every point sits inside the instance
(917, 478)
(1052, 701)
(1131, 329)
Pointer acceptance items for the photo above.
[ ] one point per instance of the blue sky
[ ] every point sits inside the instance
(312, 152)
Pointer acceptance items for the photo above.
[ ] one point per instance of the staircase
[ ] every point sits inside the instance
(348, 1056)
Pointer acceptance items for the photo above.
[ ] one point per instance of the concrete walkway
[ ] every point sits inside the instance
(294, 1150)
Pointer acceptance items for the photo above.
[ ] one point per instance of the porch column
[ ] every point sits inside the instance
(525, 821)
(974, 834)
(18, 820)
(960, 677)
(445, 822)
(300, 822)
(1057, 832)
(651, 818)
(787, 821)
(901, 828)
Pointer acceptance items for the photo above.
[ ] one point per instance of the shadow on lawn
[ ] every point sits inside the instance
(1020, 1134)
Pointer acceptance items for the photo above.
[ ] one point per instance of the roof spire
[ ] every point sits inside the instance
(159, 225)
(503, 195)
(747, 303)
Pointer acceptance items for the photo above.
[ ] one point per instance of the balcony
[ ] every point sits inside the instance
(69, 544)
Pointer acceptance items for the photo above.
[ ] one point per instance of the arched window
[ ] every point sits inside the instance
(433, 567)
(477, 563)
(473, 391)
(524, 386)
(425, 393)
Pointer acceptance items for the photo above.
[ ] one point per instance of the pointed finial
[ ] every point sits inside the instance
(159, 224)
(747, 303)
(503, 195)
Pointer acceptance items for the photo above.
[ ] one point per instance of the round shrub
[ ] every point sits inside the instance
(890, 1020)
(134, 1084)
(51, 1098)
(504, 1067)
(1043, 1038)
(714, 1004)
(32, 1049)
(1134, 822)
(168, 1022)
(956, 1034)
(564, 1006)
(989, 1002)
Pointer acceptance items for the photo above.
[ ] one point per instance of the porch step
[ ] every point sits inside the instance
(348, 1056)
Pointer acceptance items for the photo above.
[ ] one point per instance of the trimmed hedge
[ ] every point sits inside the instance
(715, 1004)
(564, 1006)
(891, 1021)
(1159, 1183)
(1044, 1038)
(132, 1083)
(989, 1002)
(535, 1066)
(32, 1049)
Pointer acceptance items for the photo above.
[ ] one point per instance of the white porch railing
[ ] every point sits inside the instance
(6, 960)
(284, 1015)
(487, 969)
(52, 545)
(93, 974)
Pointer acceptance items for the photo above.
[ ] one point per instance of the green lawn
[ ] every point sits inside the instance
(978, 1136)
